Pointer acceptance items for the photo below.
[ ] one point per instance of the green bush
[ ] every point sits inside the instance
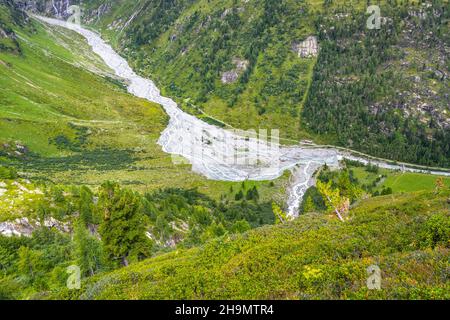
(436, 231)
(8, 173)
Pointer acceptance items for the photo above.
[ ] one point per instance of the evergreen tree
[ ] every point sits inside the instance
(123, 226)
(253, 194)
(309, 205)
(85, 206)
(30, 264)
(88, 251)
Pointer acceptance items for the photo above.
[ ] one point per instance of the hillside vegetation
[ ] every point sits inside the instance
(46, 228)
(313, 257)
(181, 244)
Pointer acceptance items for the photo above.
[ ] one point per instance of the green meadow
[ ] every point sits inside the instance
(410, 182)
(397, 181)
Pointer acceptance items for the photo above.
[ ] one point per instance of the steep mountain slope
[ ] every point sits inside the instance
(385, 91)
(314, 257)
(311, 69)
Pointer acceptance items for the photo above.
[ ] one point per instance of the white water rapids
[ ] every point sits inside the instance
(208, 147)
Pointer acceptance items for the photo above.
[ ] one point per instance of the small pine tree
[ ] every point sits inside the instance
(252, 194)
(123, 228)
(88, 251)
(309, 205)
(85, 206)
(255, 193)
(249, 195)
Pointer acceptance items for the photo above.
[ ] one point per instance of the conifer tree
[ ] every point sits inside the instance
(309, 205)
(123, 226)
(88, 251)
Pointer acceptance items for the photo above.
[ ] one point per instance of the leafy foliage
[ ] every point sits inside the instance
(313, 257)
(108, 228)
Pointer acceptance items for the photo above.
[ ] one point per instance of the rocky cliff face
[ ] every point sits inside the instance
(308, 48)
(233, 75)
(60, 8)
(8, 40)
(25, 227)
(55, 8)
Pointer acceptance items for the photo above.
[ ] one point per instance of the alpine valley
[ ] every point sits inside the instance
(97, 180)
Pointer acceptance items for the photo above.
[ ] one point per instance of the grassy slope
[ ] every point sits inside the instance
(409, 182)
(315, 256)
(45, 94)
(399, 181)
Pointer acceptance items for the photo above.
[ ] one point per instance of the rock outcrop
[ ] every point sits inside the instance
(232, 75)
(54, 8)
(308, 48)
(8, 39)
(25, 227)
